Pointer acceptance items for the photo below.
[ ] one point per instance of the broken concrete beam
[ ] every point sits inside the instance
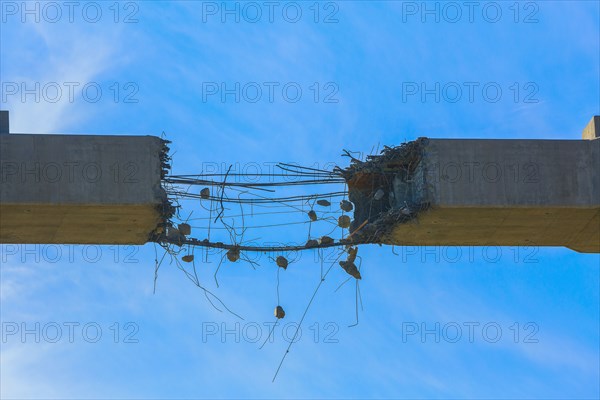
(592, 129)
(454, 192)
(80, 189)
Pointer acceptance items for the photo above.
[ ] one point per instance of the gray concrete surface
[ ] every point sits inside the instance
(79, 188)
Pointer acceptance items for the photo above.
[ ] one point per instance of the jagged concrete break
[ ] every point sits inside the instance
(480, 192)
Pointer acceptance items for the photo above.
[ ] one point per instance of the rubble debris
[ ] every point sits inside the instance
(312, 243)
(282, 262)
(184, 229)
(174, 236)
(325, 240)
(205, 193)
(312, 215)
(352, 251)
(346, 206)
(233, 254)
(350, 269)
(279, 313)
(188, 258)
(323, 203)
(344, 221)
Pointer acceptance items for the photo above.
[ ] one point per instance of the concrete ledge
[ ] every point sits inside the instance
(574, 228)
(77, 223)
(80, 188)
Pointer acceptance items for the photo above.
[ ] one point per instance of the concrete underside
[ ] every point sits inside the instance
(577, 229)
(80, 189)
(77, 223)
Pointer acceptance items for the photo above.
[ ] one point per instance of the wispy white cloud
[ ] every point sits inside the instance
(74, 55)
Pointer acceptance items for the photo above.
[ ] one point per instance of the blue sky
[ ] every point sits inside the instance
(364, 59)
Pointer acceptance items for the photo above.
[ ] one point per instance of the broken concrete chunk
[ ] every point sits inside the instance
(323, 203)
(233, 254)
(344, 221)
(350, 269)
(282, 262)
(312, 215)
(205, 193)
(326, 240)
(346, 206)
(188, 258)
(379, 194)
(174, 236)
(352, 251)
(184, 229)
(279, 313)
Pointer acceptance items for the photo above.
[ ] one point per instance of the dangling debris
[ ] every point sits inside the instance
(282, 262)
(346, 206)
(175, 236)
(350, 269)
(326, 240)
(312, 243)
(379, 194)
(233, 254)
(188, 258)
(205, 193)
(352, 251)
(323, 203)
(184, 229)
(312, 215)
(344, 221)
(279, 313)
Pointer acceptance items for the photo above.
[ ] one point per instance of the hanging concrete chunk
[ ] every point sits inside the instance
(174, 236)
(282, 262)
(323, 203)
(352, 251)
(188, 258)
(279, 313)
(326, 240)
(312, 243)
(344, 221)
(350, 269)
(312, 215)
(233, 254)
(205, 193)
(185, 229)
(346, 206)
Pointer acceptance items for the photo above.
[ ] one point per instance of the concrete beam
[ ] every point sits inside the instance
(80, 188)
(453, 192)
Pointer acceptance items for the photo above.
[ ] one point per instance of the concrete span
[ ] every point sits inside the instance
(82, 189)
